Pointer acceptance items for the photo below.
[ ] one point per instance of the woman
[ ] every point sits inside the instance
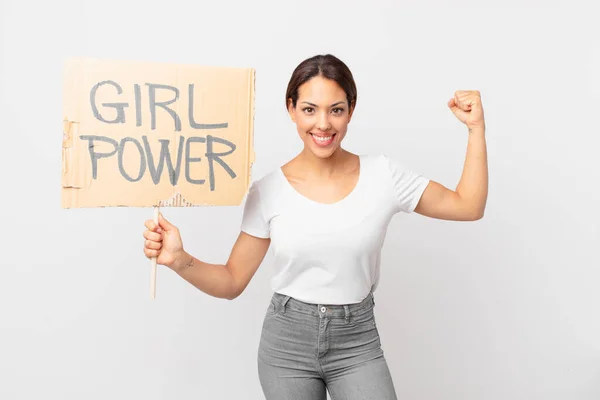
(326, 213)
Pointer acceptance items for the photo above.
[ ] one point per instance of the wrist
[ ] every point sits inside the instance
(476, 131)
(182, 262)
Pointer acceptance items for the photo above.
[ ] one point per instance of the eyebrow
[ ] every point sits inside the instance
(333, 105)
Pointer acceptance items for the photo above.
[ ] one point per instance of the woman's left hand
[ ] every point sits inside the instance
(466, 105)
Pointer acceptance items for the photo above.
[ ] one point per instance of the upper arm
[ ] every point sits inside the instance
(440, 202)
(246, 256)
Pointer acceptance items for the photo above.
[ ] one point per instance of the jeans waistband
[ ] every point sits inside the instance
(283, 302)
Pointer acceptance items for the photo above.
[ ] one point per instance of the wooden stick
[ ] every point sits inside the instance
(153, 272)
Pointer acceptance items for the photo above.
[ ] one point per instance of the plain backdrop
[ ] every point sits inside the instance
(505, 308)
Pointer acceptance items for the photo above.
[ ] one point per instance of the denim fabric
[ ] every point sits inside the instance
(306, 349)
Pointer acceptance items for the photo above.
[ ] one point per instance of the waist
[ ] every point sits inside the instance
(332, 311)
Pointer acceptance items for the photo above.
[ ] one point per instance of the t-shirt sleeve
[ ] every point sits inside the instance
(254, 221)
(408, 186)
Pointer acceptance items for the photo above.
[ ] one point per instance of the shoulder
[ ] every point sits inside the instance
(388, 165)
(268, 185)
(380, 160)
(381, 164)
(390, 170)
(268, 180)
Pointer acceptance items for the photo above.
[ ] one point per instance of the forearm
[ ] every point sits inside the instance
(473, 184)
(213, 279)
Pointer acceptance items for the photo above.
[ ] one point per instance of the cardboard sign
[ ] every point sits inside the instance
(149, 134)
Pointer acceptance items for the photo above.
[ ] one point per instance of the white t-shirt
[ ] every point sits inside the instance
(330, 253)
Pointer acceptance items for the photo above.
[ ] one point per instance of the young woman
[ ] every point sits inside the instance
(326, 213)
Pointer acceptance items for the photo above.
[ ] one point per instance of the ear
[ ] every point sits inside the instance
(291, 109)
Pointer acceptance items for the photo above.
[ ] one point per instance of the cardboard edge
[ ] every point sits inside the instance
(251, 114)
(74, 174)
(177, 200)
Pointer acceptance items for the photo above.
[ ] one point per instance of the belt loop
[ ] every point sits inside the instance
(347, 313)
(373, 298)
(283, 303)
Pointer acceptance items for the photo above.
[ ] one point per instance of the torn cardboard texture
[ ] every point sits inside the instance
(150, 134)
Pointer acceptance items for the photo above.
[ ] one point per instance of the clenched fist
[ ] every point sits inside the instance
(466, 105)
(163, 241)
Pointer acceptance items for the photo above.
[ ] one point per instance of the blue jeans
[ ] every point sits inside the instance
(306, 349)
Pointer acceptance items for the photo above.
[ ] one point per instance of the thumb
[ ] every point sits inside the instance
(460, 114)
(164, 224)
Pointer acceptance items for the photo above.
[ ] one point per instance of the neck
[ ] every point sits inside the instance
(324, 167)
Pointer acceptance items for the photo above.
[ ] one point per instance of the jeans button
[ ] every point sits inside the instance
(323, 309)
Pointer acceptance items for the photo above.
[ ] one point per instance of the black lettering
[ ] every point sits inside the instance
(94, 155)
(156, 172)
(138, 104)
(163, 105)
(212, 156)
(193, 123)
(142, 159)
(189, 160)
(120, 107)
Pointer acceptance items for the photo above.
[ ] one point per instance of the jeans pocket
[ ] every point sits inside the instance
(366, 319)
(272, 309)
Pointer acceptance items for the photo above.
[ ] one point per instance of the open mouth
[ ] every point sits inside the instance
(322, 140)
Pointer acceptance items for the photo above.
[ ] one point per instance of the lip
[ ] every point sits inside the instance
(321, 142)
(321, 135)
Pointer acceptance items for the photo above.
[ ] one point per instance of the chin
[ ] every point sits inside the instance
(322, 152)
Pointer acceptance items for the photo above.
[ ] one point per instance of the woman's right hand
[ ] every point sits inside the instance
(163, 241)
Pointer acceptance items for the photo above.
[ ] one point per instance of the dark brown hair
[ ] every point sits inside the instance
(327, 66)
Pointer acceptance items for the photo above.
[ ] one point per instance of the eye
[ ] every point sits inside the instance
(307, 110)
(338, 110)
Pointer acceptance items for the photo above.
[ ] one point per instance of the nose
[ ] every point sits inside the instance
(323, 122)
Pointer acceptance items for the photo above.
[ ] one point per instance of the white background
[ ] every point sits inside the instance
(499, 309)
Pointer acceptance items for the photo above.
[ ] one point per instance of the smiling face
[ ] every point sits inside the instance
(321, 115)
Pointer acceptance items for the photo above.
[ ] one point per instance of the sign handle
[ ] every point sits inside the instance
(153, 272)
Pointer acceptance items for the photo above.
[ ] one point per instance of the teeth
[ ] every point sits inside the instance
(322, 139)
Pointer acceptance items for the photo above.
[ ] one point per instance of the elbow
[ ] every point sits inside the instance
(475, 211)
(470, 209)
(234, 290)
(232, 295)
(478, 215)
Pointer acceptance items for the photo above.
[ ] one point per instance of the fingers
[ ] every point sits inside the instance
(152, 226)
(153, 242)
(151, 253)
(149, 244)
(465, 99)
(461, 99)
(151, 248)
(154, 236)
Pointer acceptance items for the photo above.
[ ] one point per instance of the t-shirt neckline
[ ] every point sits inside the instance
(352, 193)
